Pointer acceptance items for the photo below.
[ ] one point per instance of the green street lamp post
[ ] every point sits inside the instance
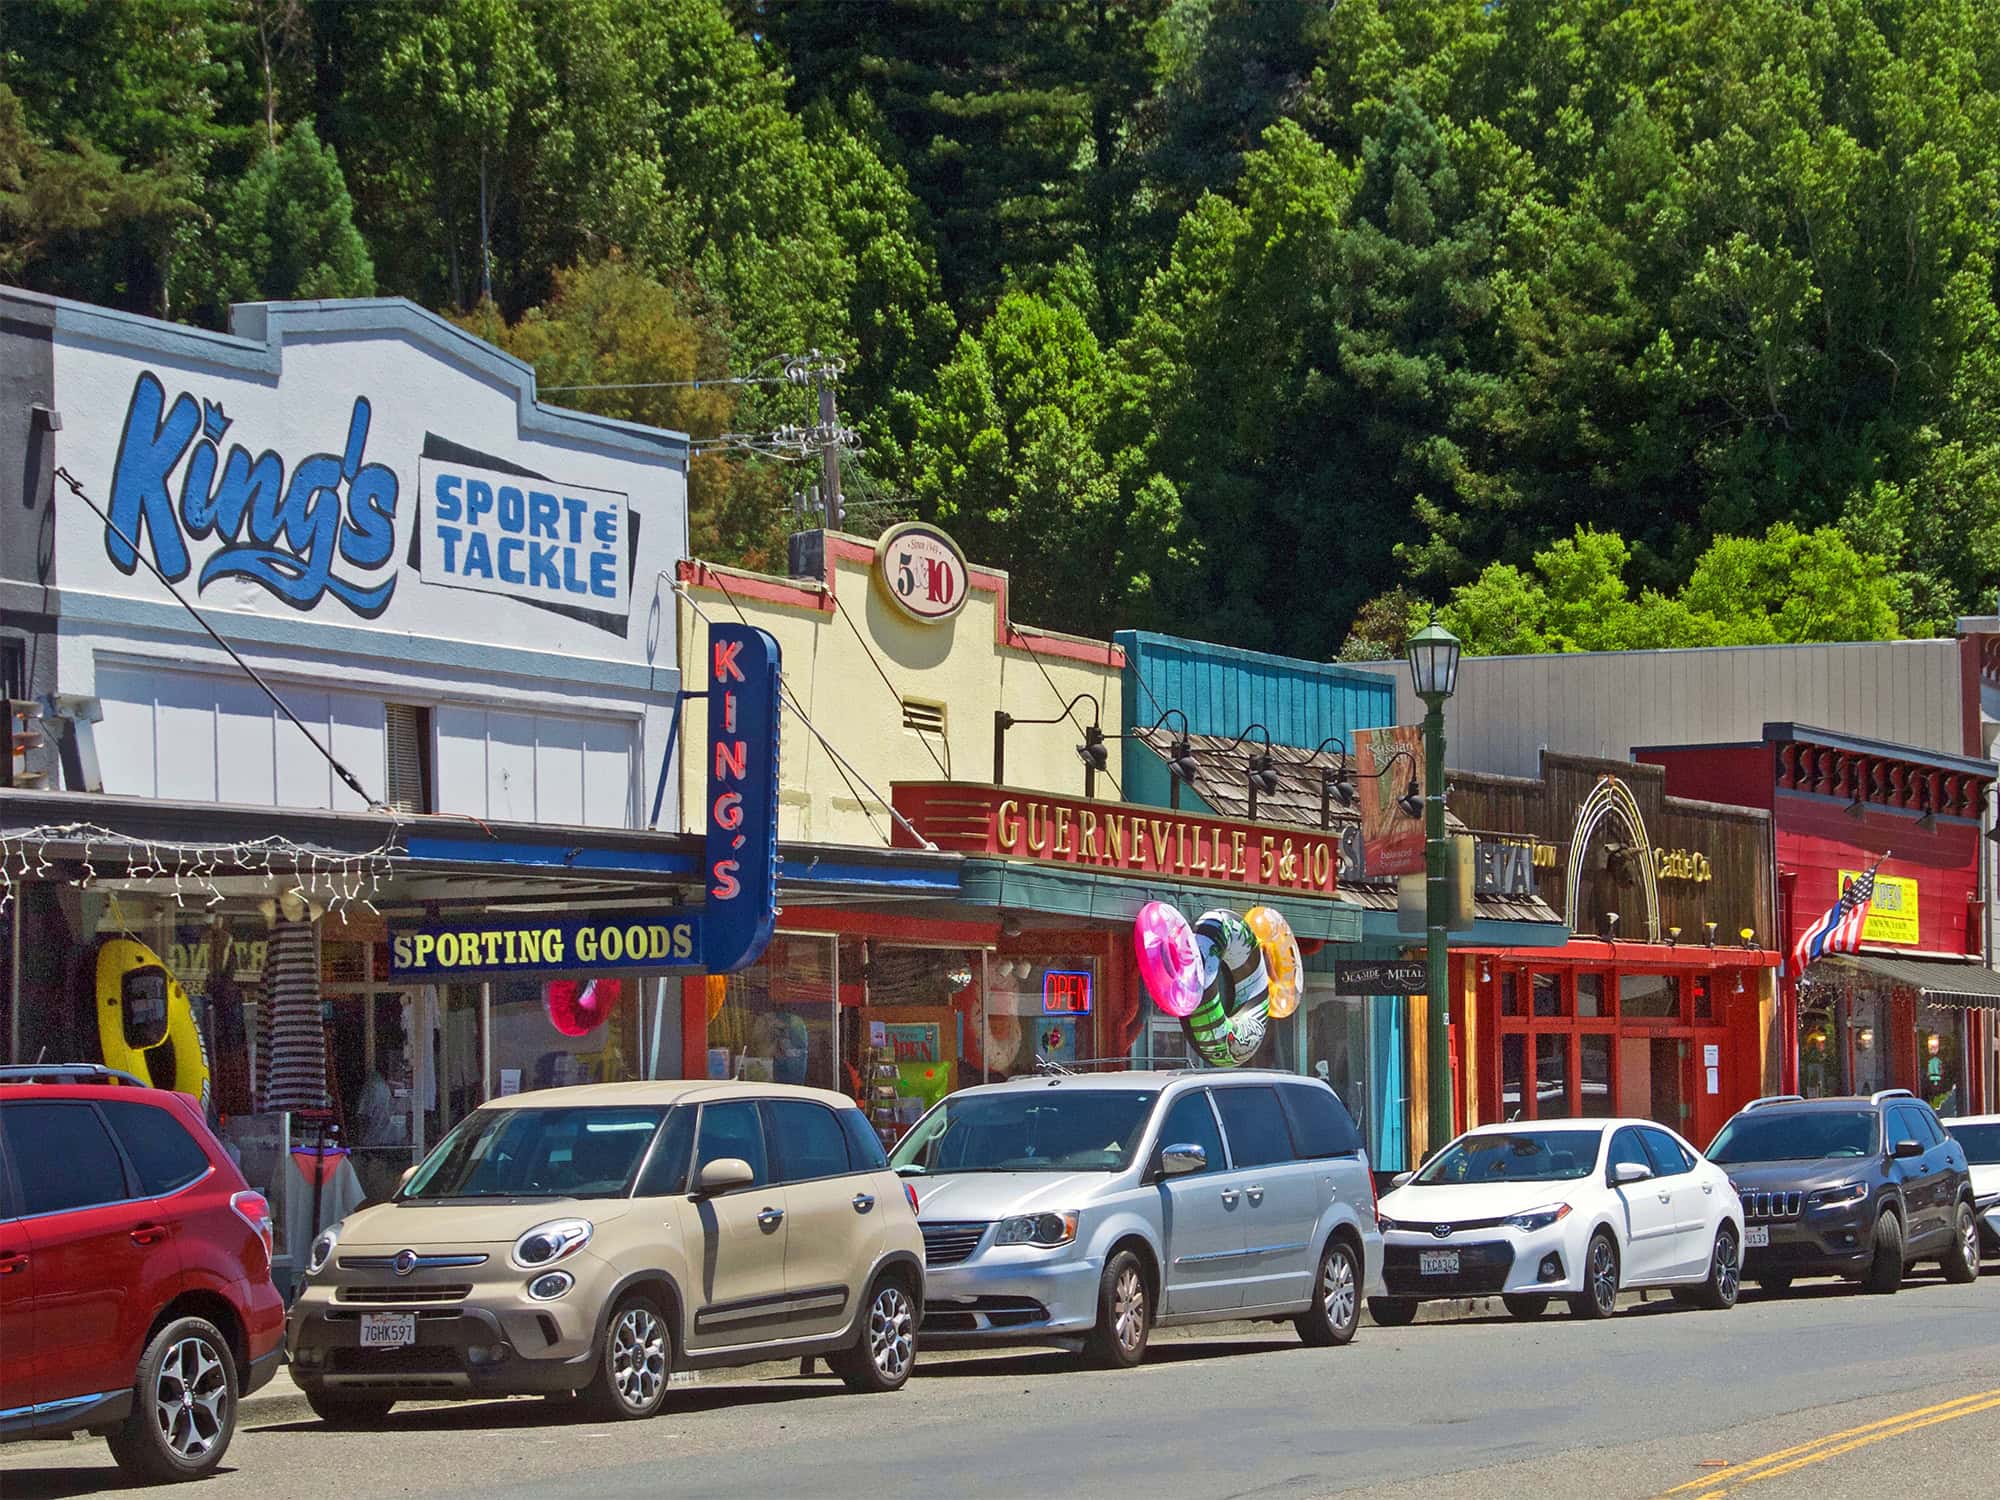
(1433, 655)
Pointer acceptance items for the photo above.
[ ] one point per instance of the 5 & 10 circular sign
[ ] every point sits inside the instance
(922, 571)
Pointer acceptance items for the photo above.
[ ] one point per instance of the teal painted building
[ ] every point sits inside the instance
(1359, 1044)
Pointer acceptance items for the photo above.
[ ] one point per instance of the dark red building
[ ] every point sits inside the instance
(1912, 1009)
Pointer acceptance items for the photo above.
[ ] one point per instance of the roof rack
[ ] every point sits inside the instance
(1769, 1099)
(67, 1073)
(1880, 1094)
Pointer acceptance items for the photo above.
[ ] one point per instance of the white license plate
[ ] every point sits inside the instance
(1757, 1237)
(388, 1330)
(1438, 1262)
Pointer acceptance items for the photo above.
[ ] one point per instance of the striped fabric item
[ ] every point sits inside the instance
(262, 1083)
(1839, 929)
(297, 1076)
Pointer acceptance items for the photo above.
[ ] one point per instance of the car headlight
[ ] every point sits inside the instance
(1045, 1230)
(1852, 1192)
(1539, 1218)
(1386, 1224)
(548, 1243)
(322, 1250)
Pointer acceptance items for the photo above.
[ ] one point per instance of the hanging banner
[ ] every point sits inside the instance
(741, 852)
(1388, 762)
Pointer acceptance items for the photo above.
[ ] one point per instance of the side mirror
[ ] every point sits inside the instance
(1179, 1160)
(1906, 1149)
(1629, 1171)
(723, 1175)
(1399, 1179)
(408, 1172)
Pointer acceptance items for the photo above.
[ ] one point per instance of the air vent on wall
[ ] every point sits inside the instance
(409, 755)
(925, 718)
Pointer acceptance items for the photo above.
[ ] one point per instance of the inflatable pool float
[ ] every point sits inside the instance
(1169, 965)
(579, 1009)
(1227, 1027)
(145, 1023)
(1281, 958)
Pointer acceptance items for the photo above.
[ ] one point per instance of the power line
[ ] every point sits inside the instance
(249, 671)
(869, 651)
(1069, 709)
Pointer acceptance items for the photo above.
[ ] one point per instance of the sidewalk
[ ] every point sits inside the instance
(282, 1401)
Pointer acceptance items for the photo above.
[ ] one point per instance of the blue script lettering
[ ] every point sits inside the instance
(296, 530)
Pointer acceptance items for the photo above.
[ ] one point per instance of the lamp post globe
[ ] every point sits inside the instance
(1433, 654)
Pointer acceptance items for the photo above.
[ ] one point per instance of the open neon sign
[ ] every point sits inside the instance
(1066, 992)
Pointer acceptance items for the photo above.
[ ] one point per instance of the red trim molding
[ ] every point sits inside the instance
(1598, 952)
(817, 595)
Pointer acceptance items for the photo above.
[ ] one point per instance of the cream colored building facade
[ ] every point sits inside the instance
(890, 695)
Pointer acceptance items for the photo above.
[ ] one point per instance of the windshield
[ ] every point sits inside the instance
(1795, 1135)
(1518, 1156)
(1981, 1143)
(1058, 1130)
(537, 1153)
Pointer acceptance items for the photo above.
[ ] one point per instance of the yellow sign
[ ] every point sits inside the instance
(1892, 915)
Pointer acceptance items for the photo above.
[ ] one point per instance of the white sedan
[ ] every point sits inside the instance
(1980, 1136)
(1573, 1208)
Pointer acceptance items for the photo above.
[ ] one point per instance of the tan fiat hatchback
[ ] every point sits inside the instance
(595, 1239)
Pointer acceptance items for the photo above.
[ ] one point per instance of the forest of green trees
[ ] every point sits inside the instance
(1600, 323)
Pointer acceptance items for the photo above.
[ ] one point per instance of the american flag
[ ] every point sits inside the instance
(1839, 930)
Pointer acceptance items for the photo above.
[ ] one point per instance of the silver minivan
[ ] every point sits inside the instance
(1069, 1208)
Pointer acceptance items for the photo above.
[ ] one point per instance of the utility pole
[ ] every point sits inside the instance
(829, 454)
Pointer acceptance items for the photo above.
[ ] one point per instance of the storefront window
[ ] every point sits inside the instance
(1941, 1058)
(1336, 1040)
(551, 1033)
(1548, 994)
(775, 1020)
(1868, 1040)
(1649, 997)
(1595, 1054)
(1590, 994)
(1821, 1059)
(1513, 1076)
(1510, 992)
(1554, 1099)
(1038, 1007)
(1700, 987)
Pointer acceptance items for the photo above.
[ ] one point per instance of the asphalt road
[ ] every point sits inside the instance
(1827, 1393)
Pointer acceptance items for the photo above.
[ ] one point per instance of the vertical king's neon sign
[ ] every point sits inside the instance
(740, 855)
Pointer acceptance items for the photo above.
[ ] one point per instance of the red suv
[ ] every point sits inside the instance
(135, 1271)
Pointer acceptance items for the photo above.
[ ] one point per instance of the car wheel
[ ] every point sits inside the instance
(348, 1411)
(1777, 1284)
(1599, 1299)
(1124, 1315)
(1527, 1305)
(881, 1359)
(1392, 1312)
(1961, 1263)
(1885, 1270)
(1725, 1271)
(183, 1405)
(1336, 1309)
(632, 1367)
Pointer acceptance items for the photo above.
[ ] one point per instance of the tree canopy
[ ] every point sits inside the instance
(1625, 321)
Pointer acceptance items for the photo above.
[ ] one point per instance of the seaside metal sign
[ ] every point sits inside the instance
(732, 927)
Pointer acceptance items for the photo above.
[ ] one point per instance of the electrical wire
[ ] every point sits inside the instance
(869, 651)
(249, 671)
(848, 772)
(1069, 710)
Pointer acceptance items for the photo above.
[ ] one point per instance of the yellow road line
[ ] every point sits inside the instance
(1861, 1442)
(1737, 1471)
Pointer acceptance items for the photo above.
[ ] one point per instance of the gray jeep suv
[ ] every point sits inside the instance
(1069, 1208)
(1855, 1187)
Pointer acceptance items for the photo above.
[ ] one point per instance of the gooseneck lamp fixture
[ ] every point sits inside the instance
(1092, 752)
(1433, 654)
(1336, 782)
(1261, 772)
(1182, 767)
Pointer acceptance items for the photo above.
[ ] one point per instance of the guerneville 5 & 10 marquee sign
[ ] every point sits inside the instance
(739, 860)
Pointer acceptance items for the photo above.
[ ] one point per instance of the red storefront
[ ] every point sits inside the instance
(1912, 1008)
(1661, 1004)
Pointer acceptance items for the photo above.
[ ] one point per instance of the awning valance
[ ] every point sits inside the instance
(1966, 986)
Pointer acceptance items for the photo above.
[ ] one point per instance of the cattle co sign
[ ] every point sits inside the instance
(922, 571)
(1117, 838)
